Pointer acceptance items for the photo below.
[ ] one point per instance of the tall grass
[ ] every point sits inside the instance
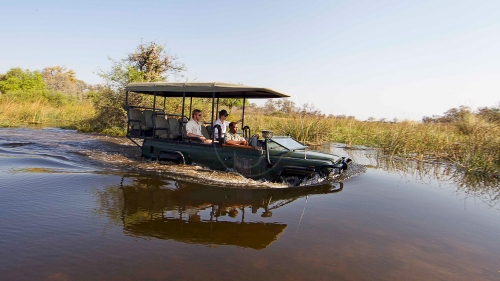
(48, 110)
(471, 144)
(304, 129)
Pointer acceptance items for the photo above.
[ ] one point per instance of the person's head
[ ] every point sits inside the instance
(223, 114)
(196, 114)
(233, 212)
(233, 127)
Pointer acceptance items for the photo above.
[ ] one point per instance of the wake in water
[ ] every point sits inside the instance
(56, 150)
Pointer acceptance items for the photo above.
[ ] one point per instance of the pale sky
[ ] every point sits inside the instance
(381, 59)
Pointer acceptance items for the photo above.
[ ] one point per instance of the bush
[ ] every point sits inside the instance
(110, 118)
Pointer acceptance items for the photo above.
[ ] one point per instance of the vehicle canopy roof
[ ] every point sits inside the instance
(203, 90)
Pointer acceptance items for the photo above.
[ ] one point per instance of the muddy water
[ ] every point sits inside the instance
(85, 207)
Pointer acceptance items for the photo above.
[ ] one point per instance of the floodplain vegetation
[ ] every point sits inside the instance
(470, 140)
(54, 97)
(43, 108)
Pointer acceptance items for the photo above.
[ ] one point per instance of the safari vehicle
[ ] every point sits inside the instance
(161, 135)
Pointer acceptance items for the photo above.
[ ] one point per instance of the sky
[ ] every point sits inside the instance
(380, 59)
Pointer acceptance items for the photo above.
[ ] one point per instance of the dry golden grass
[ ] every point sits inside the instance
(14, 113)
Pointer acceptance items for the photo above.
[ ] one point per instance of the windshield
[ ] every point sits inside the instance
(287, 142)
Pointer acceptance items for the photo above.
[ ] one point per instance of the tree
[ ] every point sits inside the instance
(287, 106)
(270, 106)
(59, 79)
(490, 114)
(229, 102)
(149, 63)
(17, 79)
(154, 62)
(456, 114)
(309, 109)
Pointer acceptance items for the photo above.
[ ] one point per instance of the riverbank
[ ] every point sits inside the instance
(471, 144)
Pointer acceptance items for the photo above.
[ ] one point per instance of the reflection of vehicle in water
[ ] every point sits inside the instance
(192, 213)
(161, 135)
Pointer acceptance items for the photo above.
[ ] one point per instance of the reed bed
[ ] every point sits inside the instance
(15, 113)
(472, 144)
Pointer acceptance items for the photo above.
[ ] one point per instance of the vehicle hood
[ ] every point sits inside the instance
(309, 154)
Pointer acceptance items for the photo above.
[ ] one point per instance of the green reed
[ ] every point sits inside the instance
(472, 144)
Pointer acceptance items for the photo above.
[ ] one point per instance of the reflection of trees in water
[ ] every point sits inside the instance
(150, 206)
(109, 203)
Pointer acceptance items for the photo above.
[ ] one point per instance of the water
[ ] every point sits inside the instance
(85, 207)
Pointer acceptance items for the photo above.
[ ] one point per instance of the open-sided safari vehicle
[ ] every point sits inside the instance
(161, 135)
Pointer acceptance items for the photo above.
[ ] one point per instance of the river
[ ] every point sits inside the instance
(79, 206)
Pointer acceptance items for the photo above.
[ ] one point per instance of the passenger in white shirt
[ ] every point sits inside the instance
(222, 122)
(193, 127)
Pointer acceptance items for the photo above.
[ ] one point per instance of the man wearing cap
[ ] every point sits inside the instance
(222, 122)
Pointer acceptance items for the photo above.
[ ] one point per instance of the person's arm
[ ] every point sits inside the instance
(235, 142)
(243, 141)
(191, 135)
(190, 132)
(232, 140)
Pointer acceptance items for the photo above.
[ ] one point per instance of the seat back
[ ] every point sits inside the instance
(134, 113)
(209, 130)
(161, 127)
(136, 120)
(204, 132)
(148, 116)
(175, 130)
(183, 121)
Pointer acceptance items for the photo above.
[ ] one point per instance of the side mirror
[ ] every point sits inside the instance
(246, 132)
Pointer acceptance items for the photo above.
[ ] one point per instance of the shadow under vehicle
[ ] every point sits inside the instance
(161, 135)
(207, 215)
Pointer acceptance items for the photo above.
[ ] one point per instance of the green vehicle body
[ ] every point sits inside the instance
(273, 158)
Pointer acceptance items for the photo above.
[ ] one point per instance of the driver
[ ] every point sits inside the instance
(232, 137)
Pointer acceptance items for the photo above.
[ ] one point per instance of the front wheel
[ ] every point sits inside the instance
(299, 179)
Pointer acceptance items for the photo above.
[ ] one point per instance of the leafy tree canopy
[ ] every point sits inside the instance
(149, 63)
(454, 115)
(59, 79)
(17, 79)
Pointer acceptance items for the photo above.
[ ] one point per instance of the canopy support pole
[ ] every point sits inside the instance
(191, 105)
(213, 107)
(243, 113)
(182, 115)
(154, 101)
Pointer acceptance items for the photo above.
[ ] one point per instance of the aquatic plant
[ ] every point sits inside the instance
(471, 145)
